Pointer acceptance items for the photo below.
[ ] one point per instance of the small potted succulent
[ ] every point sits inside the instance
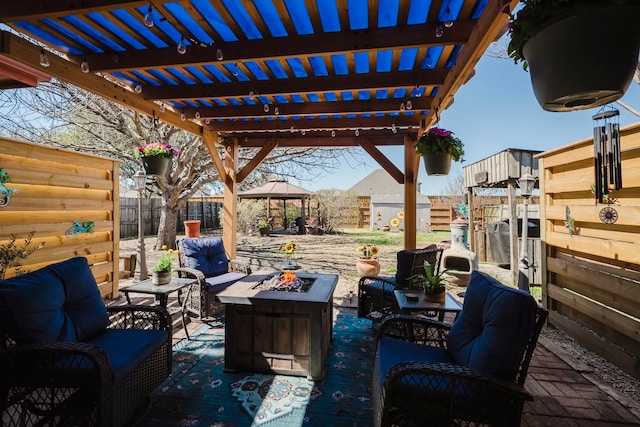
(580, 53)
(155, 157)
(434, 285)
(438, 147)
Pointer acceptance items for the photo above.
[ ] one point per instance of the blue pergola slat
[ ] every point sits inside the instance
(299, 16)
(213, 18)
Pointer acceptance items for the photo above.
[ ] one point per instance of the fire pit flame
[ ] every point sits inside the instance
(287, 281)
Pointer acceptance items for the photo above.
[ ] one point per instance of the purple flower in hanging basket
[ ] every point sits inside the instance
(156, 149)
(438, 140)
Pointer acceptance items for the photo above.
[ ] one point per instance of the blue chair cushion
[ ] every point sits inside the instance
(128, 348)
(392, 351)
(206, 255)
(492, 330)
(60, 302)
(217, 283)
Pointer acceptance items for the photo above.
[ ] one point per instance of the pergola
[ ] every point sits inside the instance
(265, 74)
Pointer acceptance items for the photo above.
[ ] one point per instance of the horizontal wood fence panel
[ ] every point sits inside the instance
(622, 323)
(619, 293)
(623, 251)
(56, 188)
(592, 276)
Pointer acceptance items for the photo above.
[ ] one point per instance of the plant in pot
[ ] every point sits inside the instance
(433, 284)
(438, 147)
(580, 53)
(155, 157)
(264, 227)
(162, 270)
(367, 263)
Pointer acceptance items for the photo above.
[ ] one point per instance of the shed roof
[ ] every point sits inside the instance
(378, 182)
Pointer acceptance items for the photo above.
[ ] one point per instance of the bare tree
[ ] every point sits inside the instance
(62, 115)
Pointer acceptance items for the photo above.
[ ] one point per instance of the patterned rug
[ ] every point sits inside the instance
(199, 393)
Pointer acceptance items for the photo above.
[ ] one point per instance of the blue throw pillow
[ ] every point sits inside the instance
(206, 255)
(60, 302)
(493, 328)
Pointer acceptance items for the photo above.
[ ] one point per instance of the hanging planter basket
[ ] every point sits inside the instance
(155, 165)
(585, 60)
(437, 164)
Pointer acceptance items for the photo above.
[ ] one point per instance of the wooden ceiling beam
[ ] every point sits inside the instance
(338, 124)
(259, 50)
(323, 139)
(28, 54)
(308, 108)
(352, 82)
(29, 10)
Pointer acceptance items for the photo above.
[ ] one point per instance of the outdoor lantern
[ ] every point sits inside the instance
(140, 180)
(526, 183)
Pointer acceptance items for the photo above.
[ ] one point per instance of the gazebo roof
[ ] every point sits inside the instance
(277, 189)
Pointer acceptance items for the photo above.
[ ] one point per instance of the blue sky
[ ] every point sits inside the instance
(495, 110)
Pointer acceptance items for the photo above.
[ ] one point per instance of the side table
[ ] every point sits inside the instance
(417, 303)
(161, 294)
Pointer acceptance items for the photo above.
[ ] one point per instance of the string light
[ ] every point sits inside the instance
(182, 47)
(207, 121)
(303, 132)
(148, 17)
(183, 117)
(357, 132)
(219, 54)
(333, 133)
(197, 115)
(393, 128)
(162, 108)
(293, 129)
(44, 59)
(252, 95)
(409, 104)
(448, 24)
(84, 67)
(137, 88)
(402, 106)
(439, 31)
(276, 110)
(265, 107)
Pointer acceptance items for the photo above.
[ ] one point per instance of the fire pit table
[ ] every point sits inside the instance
(279, 323)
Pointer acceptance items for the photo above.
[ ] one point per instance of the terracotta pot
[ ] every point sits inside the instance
(155, 165)
(437, 297)
(161, 277)
(437, 164)
(367, 267)
(192, 228)
(573, 66)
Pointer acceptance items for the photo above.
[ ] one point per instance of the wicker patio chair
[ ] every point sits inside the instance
(375, 294)
(68, 360)
(205, 260)
(469, 373)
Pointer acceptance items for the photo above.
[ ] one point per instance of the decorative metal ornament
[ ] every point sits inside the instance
(608, 215)
(79, 227)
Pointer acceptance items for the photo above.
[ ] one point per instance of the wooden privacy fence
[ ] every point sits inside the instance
(55, 188)
(593, 263)
(208, 212)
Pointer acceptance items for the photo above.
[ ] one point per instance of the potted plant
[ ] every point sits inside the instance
(162, 270)
(367, 263)
(580, 53)
(438, 147)
(155, 157)
(264, 227)
(434, 285)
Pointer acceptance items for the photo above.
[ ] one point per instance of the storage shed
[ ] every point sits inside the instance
(502, 170)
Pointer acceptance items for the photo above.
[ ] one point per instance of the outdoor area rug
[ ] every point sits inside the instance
(199, 393)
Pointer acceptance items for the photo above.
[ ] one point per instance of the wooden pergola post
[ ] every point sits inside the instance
(411, 163)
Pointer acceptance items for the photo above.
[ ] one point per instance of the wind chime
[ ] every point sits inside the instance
(608, 169)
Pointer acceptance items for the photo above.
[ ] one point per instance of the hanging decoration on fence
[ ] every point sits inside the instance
(79, 227)
(606, 144)
(5, 192)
